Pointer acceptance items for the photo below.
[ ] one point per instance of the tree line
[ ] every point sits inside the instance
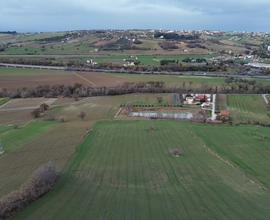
(79, 90)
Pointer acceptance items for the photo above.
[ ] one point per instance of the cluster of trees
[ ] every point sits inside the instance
(178, 67)
(175, 36)
(42, 181)
(78, 90)
(8, 32)
(120, 44)
(229, 80)
(168, 45)
(196, 45)
(46, 61)
(167, 62)
(192, 60)
(36, 113)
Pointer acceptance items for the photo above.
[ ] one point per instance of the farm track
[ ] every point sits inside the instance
(265, 99)
(90, 83)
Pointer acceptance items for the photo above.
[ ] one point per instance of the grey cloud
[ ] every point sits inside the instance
(83, 14)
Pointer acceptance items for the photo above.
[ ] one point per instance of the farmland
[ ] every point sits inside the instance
(31, 143)
(114, 166)
(13, 79)
(125, 168)
(123, 171)
(13, 139)
(248, 108)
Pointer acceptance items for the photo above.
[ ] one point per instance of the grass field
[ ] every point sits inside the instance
(33, 145)
(12, 139)
(248, 108)
(3, 101)
(123, 171)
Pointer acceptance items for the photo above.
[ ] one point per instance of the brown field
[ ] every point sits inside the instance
(13, 82)
(25, 103)
(15, 117)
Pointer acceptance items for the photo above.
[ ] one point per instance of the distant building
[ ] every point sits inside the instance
(91, 62)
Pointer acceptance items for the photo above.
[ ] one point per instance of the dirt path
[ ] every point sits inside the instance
(265, 99)
(85, 79)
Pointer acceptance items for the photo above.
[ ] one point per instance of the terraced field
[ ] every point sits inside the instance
(124, 170)
(248, 108)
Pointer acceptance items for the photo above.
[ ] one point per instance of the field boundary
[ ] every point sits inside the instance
(231, 164)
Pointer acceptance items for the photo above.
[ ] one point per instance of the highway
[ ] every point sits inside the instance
(190, 73)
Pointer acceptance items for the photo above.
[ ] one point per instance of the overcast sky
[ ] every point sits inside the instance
(52, 15)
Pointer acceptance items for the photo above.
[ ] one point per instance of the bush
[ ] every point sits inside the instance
(36, 113)
(82, 115)
(41, 182)
(176, 152)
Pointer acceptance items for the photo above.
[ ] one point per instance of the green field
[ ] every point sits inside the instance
(29, 72)
(12, 139)
(123, 170)
(248, 108)
(3, 101)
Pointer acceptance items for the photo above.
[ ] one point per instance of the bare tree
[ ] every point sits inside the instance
(39, 184)
(176, 152)
(36, 113)
(82, 115)
(160, 99)
(44, 107)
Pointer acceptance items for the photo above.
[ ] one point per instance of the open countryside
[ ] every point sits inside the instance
(124, 170)
(104, 122)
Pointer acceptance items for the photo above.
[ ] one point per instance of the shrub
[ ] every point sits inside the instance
(82, 115)
(176, 152)
(41, 182)
(62, 119)
(36, 113)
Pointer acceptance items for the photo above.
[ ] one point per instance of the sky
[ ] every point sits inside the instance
(62, 15)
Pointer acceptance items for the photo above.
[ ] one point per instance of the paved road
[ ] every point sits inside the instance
(201, 74)
(32, 66)
(214, 115)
